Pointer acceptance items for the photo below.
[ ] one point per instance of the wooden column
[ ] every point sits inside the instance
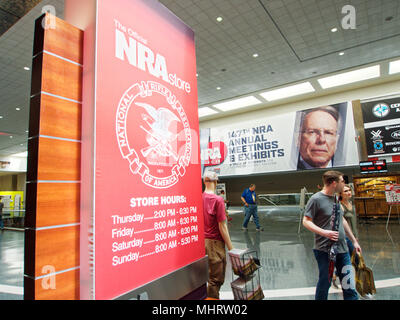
(359, 127)
(53, 177)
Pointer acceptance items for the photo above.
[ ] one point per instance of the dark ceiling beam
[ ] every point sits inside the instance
(13, 10)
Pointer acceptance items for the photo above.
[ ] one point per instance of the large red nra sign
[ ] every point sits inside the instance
(147, 186)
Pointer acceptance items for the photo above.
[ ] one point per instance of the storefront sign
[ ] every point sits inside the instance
(381, 110)
(383, 140)
(382, 127)
(373, 166)
(147, 205)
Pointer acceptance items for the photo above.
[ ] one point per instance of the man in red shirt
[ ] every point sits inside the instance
(216, 234)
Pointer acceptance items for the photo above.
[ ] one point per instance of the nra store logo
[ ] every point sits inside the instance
(155, 136)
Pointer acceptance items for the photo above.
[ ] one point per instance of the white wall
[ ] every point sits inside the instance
(388, 88)
(17, 164)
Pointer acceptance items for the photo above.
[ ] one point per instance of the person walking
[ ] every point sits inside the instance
(317, 219)
(1, 213)
(216, 234)
(349, 213)
(249, 198)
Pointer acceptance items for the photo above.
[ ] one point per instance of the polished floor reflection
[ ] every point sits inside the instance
(12, 264)
(289, 269)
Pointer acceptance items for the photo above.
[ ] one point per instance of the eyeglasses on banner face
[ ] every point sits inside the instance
(313, 133)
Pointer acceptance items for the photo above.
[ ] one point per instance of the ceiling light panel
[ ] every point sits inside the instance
(206, 111)
(350, 77)
(237, 103)
(394, 67)
(289, 91)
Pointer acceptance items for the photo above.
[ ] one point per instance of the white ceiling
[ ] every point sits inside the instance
(16, 46)
(292, 38)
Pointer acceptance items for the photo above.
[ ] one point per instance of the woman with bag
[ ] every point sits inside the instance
(349, 214)
(365, 285)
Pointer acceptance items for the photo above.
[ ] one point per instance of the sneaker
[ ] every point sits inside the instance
(243, 228)
(260, 229)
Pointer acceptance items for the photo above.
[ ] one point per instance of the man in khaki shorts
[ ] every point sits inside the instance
(216, 234)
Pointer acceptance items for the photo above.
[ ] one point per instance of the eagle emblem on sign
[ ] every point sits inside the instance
(162, 156)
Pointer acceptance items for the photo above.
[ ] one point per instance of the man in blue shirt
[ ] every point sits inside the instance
(250, 207)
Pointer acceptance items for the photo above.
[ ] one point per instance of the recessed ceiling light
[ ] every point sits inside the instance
(237, 103)
(219, 19)
(197, 74)
(334, 29)
(255, 55)
(11, 137)
(289, 91)
(206, 111)
(218, 88)
(341, 53)
(1, 117)
(350, 77)
(394, 67)
(18, 109)
(27, 68)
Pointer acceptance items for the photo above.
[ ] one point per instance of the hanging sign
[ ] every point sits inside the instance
(321, 137)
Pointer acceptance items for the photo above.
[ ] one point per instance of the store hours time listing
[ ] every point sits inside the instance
(171, 224)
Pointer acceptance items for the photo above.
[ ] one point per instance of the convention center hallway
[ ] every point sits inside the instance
(289, 270)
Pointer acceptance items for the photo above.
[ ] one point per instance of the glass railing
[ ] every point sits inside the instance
(11, 213)
(282, 199)
(13, 218)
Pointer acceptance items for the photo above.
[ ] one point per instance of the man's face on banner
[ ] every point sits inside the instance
(318, 138)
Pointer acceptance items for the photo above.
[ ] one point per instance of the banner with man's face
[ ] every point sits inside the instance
(322, 137)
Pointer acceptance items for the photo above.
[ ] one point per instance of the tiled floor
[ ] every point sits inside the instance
(11, 264)
(289, 270)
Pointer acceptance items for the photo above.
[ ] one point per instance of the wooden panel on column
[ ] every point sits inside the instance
(53, 177)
